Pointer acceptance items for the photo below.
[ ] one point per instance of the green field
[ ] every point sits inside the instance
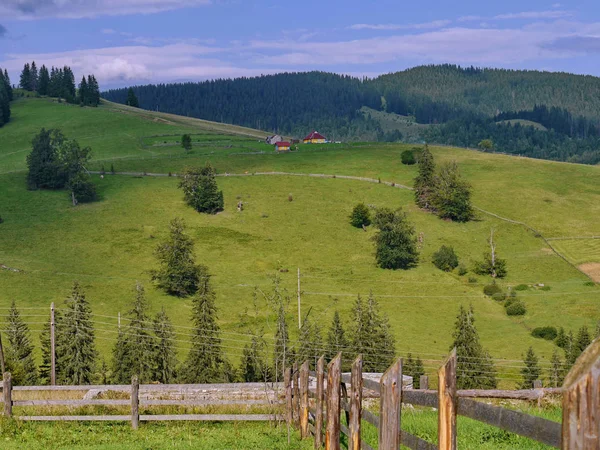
(108, 245)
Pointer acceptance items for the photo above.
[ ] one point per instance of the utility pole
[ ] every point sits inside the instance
(119, 320)
(52, 348)
(299, 319)
(2, 356)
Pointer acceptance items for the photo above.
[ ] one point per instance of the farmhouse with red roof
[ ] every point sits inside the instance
(315, 138)
(282, 146)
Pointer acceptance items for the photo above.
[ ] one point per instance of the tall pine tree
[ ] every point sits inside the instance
(132, 99)
(164, 355)
(77, 353)
(33, 77)
(205, 362)
(25, 80)
(83, 93)
(43, 81)
(19, 351)
(531, 371)
(310, 345)
(337, 341)
(425, 179)
(474, 368)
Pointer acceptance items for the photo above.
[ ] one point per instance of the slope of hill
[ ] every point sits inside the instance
(108, 245)
(464, 101)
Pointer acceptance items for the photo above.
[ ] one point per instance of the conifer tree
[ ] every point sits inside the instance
(583, 340)
(200, 189)
(178, 274)
(33, 77)
(254, 367)
(25, 81)
(132, 99)
(561, 338)
(45, 368)
(337, 341)
(8, 86)
(164, 355)
(83, 92)
(371, 336)
(531, 371)
(556, 372)
(44, 81)
(424, 181)
(121, 359)
(310, 344)
(205, 362)
(5, 98)
(570, 348)
(19, 351)
(186, 142)
(474, 368)
(413, 367)
(360, 216)
(395, 243)
(93, 91)
(77, 353)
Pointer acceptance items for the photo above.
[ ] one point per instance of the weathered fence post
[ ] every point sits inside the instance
(447, 404)
(537, 384)
(319, 403)
(354, 440)
(52, 347)
(296, 394)
(304, 400)
(135, 402)
(7, 394)
(424, 382)
(390, 406)
(334, 376)
(581, 401)
(287, 377)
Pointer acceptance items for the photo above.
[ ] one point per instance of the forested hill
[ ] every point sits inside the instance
(457, 106)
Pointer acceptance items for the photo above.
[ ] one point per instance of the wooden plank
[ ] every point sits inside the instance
(296, 394)
(371, 385)
(319, 403)
(74, 418)
(154, 387)
(288, 396)
(354, 438)
(416, 443)
(581, 401)
(135, 402)
(7, 394)
(424, 382)
(71, 402)
(209, 417)
(304, 400)
(536, 428)
(332, 433)
(447, 403)
(373, 419)
(420, 398)
(390, 406)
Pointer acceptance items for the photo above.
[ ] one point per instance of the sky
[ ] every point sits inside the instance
(128, 42)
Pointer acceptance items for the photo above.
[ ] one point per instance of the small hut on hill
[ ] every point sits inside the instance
(315, 138)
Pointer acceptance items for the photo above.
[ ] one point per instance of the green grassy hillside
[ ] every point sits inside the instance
(108, 245)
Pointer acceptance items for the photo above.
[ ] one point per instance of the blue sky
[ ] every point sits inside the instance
(126, 42)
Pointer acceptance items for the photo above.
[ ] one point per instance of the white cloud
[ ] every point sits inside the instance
(128, 64)
(535, 15)
(76, 9)
(413, 26)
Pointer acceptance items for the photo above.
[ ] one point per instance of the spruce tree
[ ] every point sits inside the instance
(282, 351)
(77, 353)
(132, 99)
(25, 81)
(33, 77)
(178, 274)
(556, 372)
(413, 368)
(121, 359)
(531, 371)
(8, 86)
(371, 336)
(360, 216)
(561, 338)
(19, 351)
(200, 189)
(164, 355)
(424, 182)
(5, 97)
(93, 91)
(583, 340)
(84, 96)
(337, 341)
(186, 142)
(254, 367)
(395, 243)
(46, 171)
(45, 368)
(310, 345)
(44, 81)
(139, 338)
(571, 350)
(474, 368)
(205, 362)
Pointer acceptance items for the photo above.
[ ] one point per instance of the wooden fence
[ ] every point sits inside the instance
(316, 412)
(269, 397)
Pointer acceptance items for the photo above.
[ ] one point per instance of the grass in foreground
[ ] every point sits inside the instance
(173, 435)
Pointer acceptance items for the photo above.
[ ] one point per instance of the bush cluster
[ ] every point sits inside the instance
(360, 216)
(547, 333)
(408, 157)
(492, 289)
(514, 306)
(445, 259)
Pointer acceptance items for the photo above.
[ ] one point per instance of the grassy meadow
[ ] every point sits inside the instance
(108, 245)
